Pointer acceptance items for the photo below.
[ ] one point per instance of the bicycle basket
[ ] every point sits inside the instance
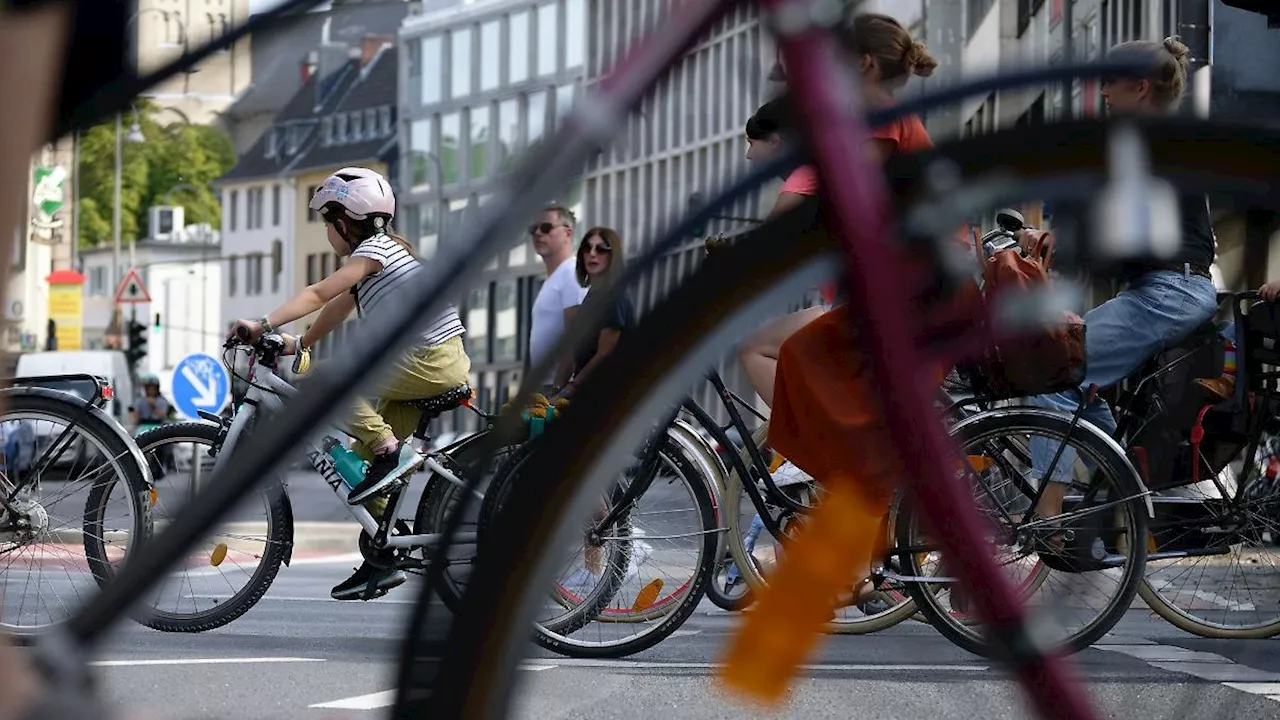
(1048, 362)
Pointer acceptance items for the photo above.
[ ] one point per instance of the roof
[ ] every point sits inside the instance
(376, 89)
(277, 52)
(302, 110)
(348, 89)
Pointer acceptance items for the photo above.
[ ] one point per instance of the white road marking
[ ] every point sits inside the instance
(386, 698)
(202, 661)
(656, 665)
(1204, 665)
(294, 598)
(343, 559)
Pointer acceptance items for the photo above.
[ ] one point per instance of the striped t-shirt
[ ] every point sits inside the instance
(398, 268)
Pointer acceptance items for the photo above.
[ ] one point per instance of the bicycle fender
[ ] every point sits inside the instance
(286, 509)
(1083, 425)
(701, 452)
(135, 454)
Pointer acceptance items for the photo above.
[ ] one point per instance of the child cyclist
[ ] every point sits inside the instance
(357, 206)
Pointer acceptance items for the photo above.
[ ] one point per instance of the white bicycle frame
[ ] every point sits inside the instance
(271, 400)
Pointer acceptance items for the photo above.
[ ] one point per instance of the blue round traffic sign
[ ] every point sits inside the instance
(200, 383)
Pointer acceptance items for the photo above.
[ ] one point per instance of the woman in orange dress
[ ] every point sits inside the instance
(818, 404)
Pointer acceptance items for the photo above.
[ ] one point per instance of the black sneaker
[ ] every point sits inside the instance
(368, 583)
(384, 470)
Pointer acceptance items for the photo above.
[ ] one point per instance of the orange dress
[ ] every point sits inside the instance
(827, 419)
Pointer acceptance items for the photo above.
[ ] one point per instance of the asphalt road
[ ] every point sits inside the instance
(299, 654)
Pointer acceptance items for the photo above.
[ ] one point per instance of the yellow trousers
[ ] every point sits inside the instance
(420, 373)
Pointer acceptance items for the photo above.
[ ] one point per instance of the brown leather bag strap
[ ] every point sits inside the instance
(1038, 245)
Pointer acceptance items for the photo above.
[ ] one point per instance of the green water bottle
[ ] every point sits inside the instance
(350, 466)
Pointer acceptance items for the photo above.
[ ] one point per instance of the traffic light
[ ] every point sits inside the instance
(137, 348)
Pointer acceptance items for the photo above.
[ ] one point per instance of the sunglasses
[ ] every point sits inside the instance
(602, 248)
(544, 228)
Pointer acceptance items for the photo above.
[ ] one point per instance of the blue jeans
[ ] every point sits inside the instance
(753, 533)
(1154, 311)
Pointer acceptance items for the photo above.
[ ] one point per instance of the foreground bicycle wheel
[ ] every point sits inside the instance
(474, 676)
(79, 505)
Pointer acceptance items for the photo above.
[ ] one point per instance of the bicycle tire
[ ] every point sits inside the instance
(135, 478)
(471, 674)
(1108, 458)
(899, 612)
(683, 604)
(279, 541)
(438, 497)
(71, 412)
(494, 513)
(722, 600)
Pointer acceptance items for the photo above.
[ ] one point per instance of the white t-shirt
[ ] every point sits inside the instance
(398, 268)
(559, 292)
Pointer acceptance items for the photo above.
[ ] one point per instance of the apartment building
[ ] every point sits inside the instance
(479, 84)
(164, 29)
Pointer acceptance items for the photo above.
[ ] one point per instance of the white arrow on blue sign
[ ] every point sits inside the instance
(200, 383)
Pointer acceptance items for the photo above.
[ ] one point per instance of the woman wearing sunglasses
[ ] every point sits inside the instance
(600, 264)
(357, 206)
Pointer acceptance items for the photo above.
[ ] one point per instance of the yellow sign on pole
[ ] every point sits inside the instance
(66, 308)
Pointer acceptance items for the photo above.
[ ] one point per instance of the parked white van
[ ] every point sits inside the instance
(109, 364)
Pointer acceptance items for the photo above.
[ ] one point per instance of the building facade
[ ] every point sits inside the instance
(286, 57)
(165, 29)
(479, 84)
(182, 273)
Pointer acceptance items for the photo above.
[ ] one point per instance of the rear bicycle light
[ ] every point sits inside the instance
(108, 392)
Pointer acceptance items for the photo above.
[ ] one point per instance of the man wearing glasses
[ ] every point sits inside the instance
(560, 295)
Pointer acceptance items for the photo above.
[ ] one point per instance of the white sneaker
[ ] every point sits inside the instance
(788, 474)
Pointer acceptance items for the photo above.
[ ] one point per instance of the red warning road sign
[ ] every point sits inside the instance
(131, 289)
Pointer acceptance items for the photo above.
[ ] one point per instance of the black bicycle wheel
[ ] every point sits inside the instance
(1122, 521)
(440, 498)
(79, 445)
(661, 356)
(495, 511)
(275, 543)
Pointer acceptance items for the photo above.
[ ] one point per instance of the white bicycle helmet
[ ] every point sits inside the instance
(361, 193)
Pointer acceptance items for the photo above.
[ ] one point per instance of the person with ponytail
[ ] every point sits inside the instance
(357, 206)
(887, 57)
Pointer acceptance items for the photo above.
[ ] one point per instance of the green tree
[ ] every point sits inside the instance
(180, 158)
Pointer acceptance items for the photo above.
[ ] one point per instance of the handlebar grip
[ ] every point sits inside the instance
(242, 333)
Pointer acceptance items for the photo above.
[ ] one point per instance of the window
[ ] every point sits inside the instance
(460, 63)
(537, 116)
(564, 103)
(478, 155)
(450, 147)
(547, 39)
(275, 206)
(326, 132)
(422, 153)
(432, 69)
(518, 44)
(277, 264)
(508, 134)
(976, 12)
(357, 127)
(231, 275)
(292, 138)
(371, 127)
(313, 269)
(340, 129)
(490, 54)
(233, 210)
(312, 215)
(253, 275)
(477, 323)
(384, 120)
(505, 320)
(250, 203)
(273, 144)
(98, 281)
(1026, 9)
(575, 33)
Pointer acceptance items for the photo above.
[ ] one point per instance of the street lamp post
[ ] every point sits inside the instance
(134, 136)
